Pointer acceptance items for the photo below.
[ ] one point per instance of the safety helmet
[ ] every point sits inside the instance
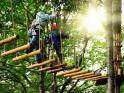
(54, 26)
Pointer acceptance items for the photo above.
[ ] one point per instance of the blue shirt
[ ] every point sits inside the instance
(55, 36)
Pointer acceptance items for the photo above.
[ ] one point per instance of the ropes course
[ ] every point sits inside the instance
(76, 73)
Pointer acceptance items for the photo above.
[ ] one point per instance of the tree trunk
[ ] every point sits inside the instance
(117, 85)
(42, 74)
(41, 85)
(54, 84)
(110, 64)
(67, 81)
(116, 10)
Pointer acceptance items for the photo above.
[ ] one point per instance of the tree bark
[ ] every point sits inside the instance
(54, 84)
(116, 10)
(42, 74)
(68, 80)
(117, 85)
(42, 85)
(110, 64)
(70, 90)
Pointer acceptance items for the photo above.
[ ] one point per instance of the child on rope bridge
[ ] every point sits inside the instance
(56, 36)
(36, 28)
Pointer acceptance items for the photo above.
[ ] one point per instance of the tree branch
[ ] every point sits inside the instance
(69, 91)
(15, 78)
(68, 80)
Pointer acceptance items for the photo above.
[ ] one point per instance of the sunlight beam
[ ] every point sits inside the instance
(93, 20)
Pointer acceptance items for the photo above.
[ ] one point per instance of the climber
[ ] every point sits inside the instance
(42, 18)
(34, 39)
(56, 40)
(36, 28)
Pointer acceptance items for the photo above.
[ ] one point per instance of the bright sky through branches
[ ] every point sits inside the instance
(92, 21)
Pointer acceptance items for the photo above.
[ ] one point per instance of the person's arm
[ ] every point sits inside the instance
(38, 17)
(64, 35)
(53, 15)
(47, 38)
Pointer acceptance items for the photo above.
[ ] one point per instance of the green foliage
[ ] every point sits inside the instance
(122, 88)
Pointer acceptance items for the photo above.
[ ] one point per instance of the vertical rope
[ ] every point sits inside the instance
(74, 54)
(61, 45)
(11, 1)
(60, 35)
(4, 46)
(27, 22)
(39, 39)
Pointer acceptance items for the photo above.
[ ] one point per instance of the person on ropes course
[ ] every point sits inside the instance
(36, 28)
(56, 36)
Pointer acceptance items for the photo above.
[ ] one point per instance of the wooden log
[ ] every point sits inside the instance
(27, 55)
(90, 76)
(67, 72)
(77, 73)
(55, 70)
(16, 50)
(95, 78)
(83, 75)
(41, 64)
(7, 40)
(45, 69)
(95, 75)
(50, 68)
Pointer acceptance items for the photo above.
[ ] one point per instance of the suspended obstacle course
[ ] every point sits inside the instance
(74, 74)
(52, 69)
(82, 74)
(7, 40)
(28, 55)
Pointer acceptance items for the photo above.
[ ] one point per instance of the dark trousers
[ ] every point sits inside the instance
(34, 45)
(58, 51)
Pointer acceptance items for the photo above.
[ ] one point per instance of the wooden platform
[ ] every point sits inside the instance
(76, 73)
(82, 75)
(55, 70)
(68, 71)
(16, 50)
(27, 55)
(42, 63)
(85, 75)
(51, 68)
